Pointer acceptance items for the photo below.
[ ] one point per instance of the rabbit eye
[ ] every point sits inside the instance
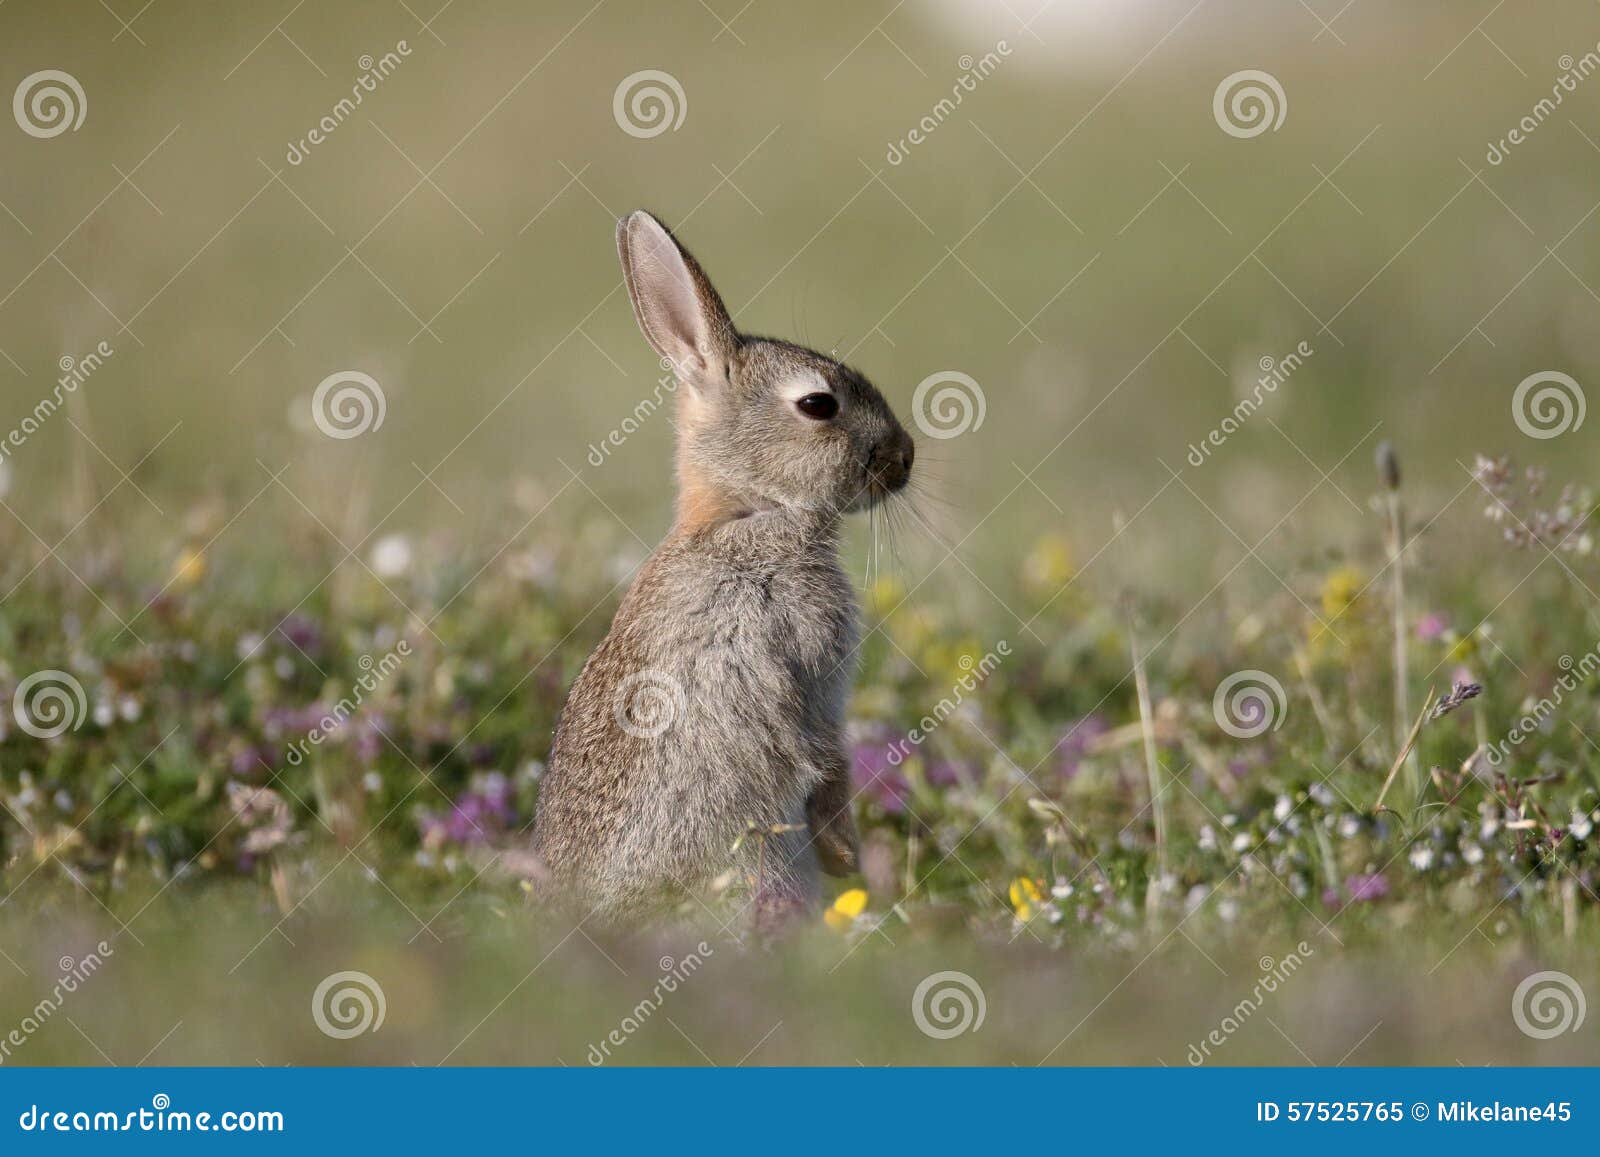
(818, 406)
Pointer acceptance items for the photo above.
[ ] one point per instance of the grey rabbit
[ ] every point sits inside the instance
(705, 734)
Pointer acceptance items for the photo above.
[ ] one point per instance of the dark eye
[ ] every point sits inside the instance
(818, 406)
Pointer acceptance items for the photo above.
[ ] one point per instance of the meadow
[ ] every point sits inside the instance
(1228, 692)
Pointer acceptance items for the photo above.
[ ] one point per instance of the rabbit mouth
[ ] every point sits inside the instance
(879, 488)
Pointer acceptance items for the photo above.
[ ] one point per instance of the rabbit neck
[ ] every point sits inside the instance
(704, 505)
(760, 531)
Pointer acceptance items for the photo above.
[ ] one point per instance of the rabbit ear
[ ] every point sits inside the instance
(679, 312)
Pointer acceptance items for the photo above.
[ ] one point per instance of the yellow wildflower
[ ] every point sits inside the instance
(1024, 895)
(191, 565)
(1050, 565)
(846, 908)
(885, 594)
(1341, 589)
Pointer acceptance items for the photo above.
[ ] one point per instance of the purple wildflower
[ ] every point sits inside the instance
(877, 775)
(478, 814)
(1358, 889)
(1432, 625)
(1075, 744)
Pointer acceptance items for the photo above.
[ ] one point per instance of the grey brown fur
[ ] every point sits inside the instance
(717, 701)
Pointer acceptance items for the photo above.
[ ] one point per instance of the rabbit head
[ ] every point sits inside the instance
(763, 424)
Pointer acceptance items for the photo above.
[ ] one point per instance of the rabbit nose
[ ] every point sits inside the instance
(893, 460)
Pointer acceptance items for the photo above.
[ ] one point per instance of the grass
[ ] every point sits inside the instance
(1112, 853)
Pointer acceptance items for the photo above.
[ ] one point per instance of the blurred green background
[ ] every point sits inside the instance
(1079, 236)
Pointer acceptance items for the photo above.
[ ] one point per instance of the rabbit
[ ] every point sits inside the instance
(706, 732)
